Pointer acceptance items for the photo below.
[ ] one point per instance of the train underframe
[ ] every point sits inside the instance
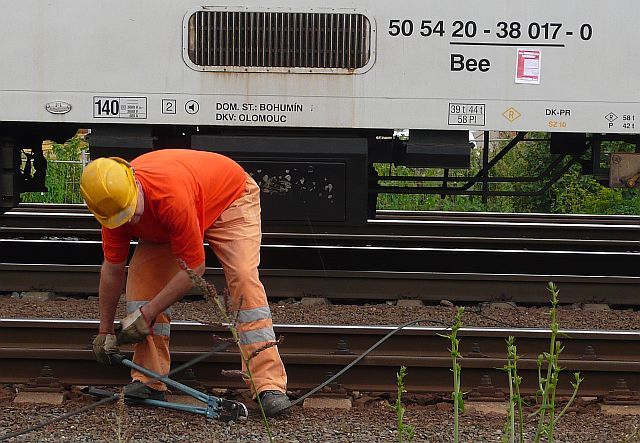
(314, 176)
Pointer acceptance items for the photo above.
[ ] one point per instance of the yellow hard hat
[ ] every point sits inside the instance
(110, 190)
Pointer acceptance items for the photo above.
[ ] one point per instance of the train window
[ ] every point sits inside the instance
(239, 41)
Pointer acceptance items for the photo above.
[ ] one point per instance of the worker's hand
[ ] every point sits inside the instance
(104, 345)
(135, 327)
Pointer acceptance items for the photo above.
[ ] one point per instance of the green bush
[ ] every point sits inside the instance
(433, 202)
(63, 179)
(574, 193)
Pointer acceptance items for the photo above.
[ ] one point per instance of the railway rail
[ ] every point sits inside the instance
(352, 285)
(71, 208)
(389, 228)
(429, 256)
(56, 353)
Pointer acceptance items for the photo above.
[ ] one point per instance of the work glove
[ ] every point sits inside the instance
(104, 346)
(135, 327)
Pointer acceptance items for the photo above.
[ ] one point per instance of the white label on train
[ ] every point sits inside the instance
(120, 107)
(464, 114)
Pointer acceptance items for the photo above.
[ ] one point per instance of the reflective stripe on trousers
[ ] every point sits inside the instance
(255, 335)
(235, 238)
(133, 305)
(151, 268)
(158, 328)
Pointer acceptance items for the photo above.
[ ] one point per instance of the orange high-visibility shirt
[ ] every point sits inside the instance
(185, 192)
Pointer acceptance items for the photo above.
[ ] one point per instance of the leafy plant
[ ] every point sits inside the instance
(404, 430)
(547, 385)
(457, 395)
(515, 400)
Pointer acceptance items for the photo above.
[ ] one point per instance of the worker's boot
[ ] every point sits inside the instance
(139, 391)
(274, 403)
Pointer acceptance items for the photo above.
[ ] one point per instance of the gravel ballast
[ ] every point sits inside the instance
(372, 423)
(293, 312)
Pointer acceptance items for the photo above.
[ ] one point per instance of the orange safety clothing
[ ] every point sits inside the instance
(235, 238)
(150, 269)
(185, 192)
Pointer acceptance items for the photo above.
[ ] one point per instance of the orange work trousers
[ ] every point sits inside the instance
(235, 238)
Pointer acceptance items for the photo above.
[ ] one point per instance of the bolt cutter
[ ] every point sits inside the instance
(214, 407)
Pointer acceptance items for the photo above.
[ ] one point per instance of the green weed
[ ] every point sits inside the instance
(457, 395)
(405, 431)
(515, 400)
(548, 384)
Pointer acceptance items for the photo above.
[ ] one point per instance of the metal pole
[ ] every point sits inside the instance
(445, 182)
(485, 168)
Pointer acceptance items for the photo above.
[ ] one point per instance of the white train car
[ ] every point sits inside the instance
(316, 89)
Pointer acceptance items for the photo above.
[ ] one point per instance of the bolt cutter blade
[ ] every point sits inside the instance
(229, 410)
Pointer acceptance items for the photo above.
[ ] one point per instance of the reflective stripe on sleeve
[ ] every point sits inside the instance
(255, 314)
(257, 336)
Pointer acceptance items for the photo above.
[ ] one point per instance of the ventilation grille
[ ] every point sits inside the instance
(314, 41)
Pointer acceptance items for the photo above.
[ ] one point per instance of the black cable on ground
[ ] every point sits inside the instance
(479, 313)
(364, 354)
(219, 348)
(57, 419)
(222, 347)
(382, 340)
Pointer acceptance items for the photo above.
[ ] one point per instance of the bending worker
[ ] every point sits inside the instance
(174, 200)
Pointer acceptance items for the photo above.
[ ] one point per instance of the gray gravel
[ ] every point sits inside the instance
(293, 312)
(371, 423)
